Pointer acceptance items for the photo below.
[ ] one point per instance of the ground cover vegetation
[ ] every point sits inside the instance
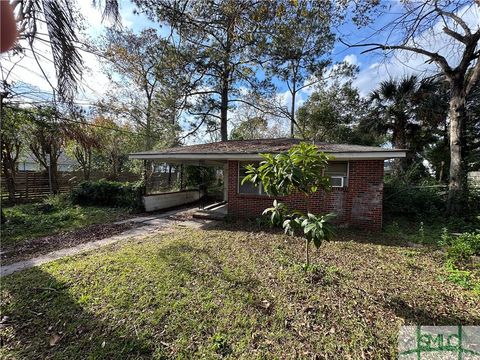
(183, 294)
(29, 225)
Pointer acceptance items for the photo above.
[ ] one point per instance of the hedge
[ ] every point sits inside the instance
(108, 193)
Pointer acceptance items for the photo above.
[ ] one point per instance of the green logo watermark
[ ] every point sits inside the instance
(439, 342)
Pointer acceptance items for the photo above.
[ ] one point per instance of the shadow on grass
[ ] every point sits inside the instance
(238, 224)
(342, 234)
(42, 320)
(376, 238)
(200, 263)
(421, 316)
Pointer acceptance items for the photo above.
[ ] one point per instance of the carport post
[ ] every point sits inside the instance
(144, 190)
(225, 182)
(181, 176)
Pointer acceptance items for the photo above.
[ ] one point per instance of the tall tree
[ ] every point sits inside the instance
(141, 65)
(82, 141)
(251, 128)
(254, 122)
(408, 109)
(117, 141)
(12, 139)
(299, 39)
(334, 113)
(416, 30)
(218, 36)
(47, 138)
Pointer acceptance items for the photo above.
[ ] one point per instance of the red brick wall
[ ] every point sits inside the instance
(358, 204)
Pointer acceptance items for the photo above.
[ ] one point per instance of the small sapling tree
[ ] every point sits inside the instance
(299, 170)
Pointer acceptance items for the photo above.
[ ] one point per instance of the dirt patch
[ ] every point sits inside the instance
(182, 216)
(43, 245)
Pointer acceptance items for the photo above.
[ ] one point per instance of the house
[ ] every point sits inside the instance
(474, 179)
(356, 177)
(30, 163)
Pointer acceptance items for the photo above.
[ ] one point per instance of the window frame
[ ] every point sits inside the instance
(337, 177)
(347, 176)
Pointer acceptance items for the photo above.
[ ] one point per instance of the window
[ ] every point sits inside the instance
(338, 172)
(248, 187)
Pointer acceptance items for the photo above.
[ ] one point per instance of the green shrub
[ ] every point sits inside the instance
(50, 216)
(459, 250)
(459, 277)
(315, 228)
(220, 345)
(462, 247)
(108, 193)
(58, 201)
(401, 199)
(277, 213)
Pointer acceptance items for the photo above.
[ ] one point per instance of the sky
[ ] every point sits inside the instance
(373, 67)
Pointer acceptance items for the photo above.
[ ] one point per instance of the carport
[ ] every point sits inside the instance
(162, 194)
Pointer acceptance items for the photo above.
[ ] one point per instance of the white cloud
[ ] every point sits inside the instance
(351, 59)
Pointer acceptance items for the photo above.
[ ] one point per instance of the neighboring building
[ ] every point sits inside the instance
(356, 176)
(474, 178)
(388, 167)
(30, 163)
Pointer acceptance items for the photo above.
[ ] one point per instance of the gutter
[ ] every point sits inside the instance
(367, 155)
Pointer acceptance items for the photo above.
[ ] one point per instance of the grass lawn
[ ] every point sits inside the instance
(229, 293)
(34, 220)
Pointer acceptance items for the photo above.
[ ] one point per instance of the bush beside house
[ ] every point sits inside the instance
(109, 193)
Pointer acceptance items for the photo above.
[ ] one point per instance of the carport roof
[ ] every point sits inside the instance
(251, 150)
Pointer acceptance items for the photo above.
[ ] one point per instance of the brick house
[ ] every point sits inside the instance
(356, 174)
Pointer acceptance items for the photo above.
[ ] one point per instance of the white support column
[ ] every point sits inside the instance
(225, 181)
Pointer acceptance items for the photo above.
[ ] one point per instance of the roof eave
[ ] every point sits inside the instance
(352, 155)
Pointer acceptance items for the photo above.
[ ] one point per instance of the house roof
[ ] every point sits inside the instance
(63, 159)
(251, 150)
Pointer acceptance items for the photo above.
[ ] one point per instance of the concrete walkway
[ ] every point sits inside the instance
(150, 225)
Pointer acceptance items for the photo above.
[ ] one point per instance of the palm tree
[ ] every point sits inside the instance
(407, 109)
(59, 19)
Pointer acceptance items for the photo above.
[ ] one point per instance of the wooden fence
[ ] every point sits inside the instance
(32, 185)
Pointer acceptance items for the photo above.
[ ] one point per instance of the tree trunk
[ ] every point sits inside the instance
(457, 180)
(169, 176)
(88, 164)
(307, 253)
(440, 175)
(86, 173)
(148, 123)
(54, 174)
(307, 242)
(225, 79)
(11, 187)
(9, 171)
(114, 167)
(292, 113)
(9, 156)
(224, 108)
